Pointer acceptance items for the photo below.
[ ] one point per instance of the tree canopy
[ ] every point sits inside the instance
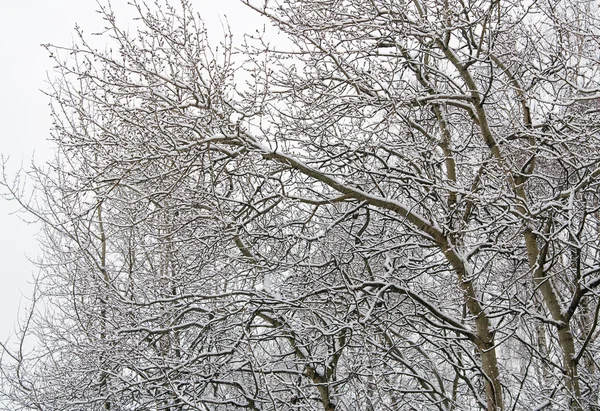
(393, 206)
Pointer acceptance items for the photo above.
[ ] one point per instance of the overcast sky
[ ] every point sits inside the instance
(24, 111)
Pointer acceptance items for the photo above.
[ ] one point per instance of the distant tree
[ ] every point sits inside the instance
(395, 207)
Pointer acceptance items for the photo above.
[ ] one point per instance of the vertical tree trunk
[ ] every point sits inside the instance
(103, 304)
(565, 338)
(485, 338)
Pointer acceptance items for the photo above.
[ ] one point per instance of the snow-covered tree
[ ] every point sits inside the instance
(394, 207)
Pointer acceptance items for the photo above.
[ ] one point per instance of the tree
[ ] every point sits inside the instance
(395, 209)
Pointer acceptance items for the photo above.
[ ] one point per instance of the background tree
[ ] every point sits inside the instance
(397, 208)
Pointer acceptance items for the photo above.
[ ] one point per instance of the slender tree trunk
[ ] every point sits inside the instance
(565, 338)
(103, 304)
(485, 338)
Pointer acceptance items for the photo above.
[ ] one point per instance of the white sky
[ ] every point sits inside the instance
(24, 112)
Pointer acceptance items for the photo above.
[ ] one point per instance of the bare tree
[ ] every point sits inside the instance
(395, 208)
